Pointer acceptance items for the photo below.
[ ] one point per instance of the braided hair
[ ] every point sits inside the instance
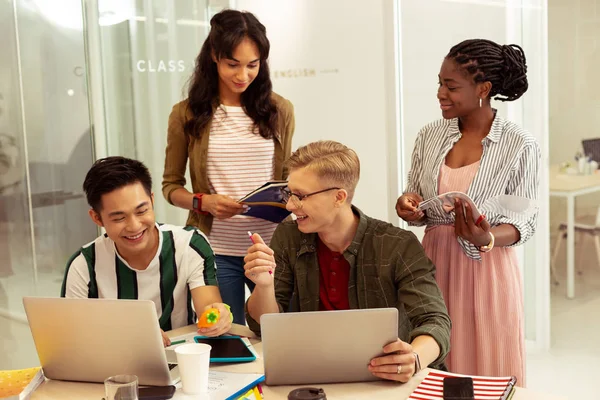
(504, 66)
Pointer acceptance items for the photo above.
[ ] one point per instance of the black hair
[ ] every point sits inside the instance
(227, 29)
(111, 173)
(504, 66)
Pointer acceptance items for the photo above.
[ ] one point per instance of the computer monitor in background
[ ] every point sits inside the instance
(591, 148)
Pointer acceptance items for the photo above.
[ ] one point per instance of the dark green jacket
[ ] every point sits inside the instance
(388, 268)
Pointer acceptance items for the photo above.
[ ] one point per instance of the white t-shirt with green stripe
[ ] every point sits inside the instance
(184, 261)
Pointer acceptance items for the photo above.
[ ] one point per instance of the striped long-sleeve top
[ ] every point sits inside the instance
(509, 165)
(239, 160)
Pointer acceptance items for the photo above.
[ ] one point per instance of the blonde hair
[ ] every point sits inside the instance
(331, 161)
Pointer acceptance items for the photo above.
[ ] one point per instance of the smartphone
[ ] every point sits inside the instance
(226, 349)
(156, 392)
(458, 388)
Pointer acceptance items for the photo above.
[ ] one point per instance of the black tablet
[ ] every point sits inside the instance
(226, 349)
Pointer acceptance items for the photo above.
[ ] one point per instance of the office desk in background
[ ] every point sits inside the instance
(569, 187)
(380, 390)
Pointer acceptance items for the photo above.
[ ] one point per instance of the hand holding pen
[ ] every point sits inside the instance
(260, 259)
(261, 241)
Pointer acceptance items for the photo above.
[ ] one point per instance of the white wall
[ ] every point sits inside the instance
(346, 48)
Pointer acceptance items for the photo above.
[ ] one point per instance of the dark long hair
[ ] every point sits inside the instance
(227, 29)
(504, 66)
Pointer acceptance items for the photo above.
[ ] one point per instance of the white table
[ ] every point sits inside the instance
(381, 390)
(569, 187)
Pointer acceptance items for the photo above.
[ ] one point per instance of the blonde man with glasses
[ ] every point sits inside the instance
(362, 263)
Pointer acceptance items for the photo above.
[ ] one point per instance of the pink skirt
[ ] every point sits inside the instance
(485, 303)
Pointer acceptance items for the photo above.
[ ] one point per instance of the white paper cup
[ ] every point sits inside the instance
(193, 360)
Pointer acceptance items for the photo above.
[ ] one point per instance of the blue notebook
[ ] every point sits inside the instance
(266, 202)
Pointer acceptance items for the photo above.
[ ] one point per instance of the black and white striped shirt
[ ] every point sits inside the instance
(509, 165)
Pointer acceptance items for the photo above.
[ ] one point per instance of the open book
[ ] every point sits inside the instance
(486, 387)
(514, 207)
(266, 202)
(446, 201)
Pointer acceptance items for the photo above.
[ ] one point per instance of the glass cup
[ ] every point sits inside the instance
(121, 387)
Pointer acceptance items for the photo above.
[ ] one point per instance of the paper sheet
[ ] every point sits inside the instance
(222, 385)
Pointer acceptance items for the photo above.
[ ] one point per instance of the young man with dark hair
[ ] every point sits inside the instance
(139, 259)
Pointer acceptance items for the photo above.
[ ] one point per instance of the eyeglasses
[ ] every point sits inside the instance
(288, 195)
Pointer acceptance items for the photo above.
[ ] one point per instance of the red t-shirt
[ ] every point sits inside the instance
(334, 271)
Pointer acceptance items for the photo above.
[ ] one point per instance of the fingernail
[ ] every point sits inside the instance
(270, 272)
(245, 206)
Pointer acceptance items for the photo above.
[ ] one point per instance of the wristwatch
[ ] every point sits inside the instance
(197, 204)
(489, 246)
(417, 363)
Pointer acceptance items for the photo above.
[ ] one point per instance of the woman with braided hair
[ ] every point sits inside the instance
(475, 151)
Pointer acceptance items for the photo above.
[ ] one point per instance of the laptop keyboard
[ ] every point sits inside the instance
(171, 366)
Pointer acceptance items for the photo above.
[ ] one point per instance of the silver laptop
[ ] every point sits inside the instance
(89, 340)
(324, 347)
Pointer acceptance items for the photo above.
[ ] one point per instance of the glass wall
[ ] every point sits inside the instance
(45, 150)
(146, 57)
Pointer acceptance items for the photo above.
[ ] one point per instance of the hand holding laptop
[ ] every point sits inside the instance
(397, 365)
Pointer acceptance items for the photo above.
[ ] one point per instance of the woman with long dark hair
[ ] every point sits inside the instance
(236, 133)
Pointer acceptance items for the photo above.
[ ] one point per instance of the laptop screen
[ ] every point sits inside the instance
(591, 148)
